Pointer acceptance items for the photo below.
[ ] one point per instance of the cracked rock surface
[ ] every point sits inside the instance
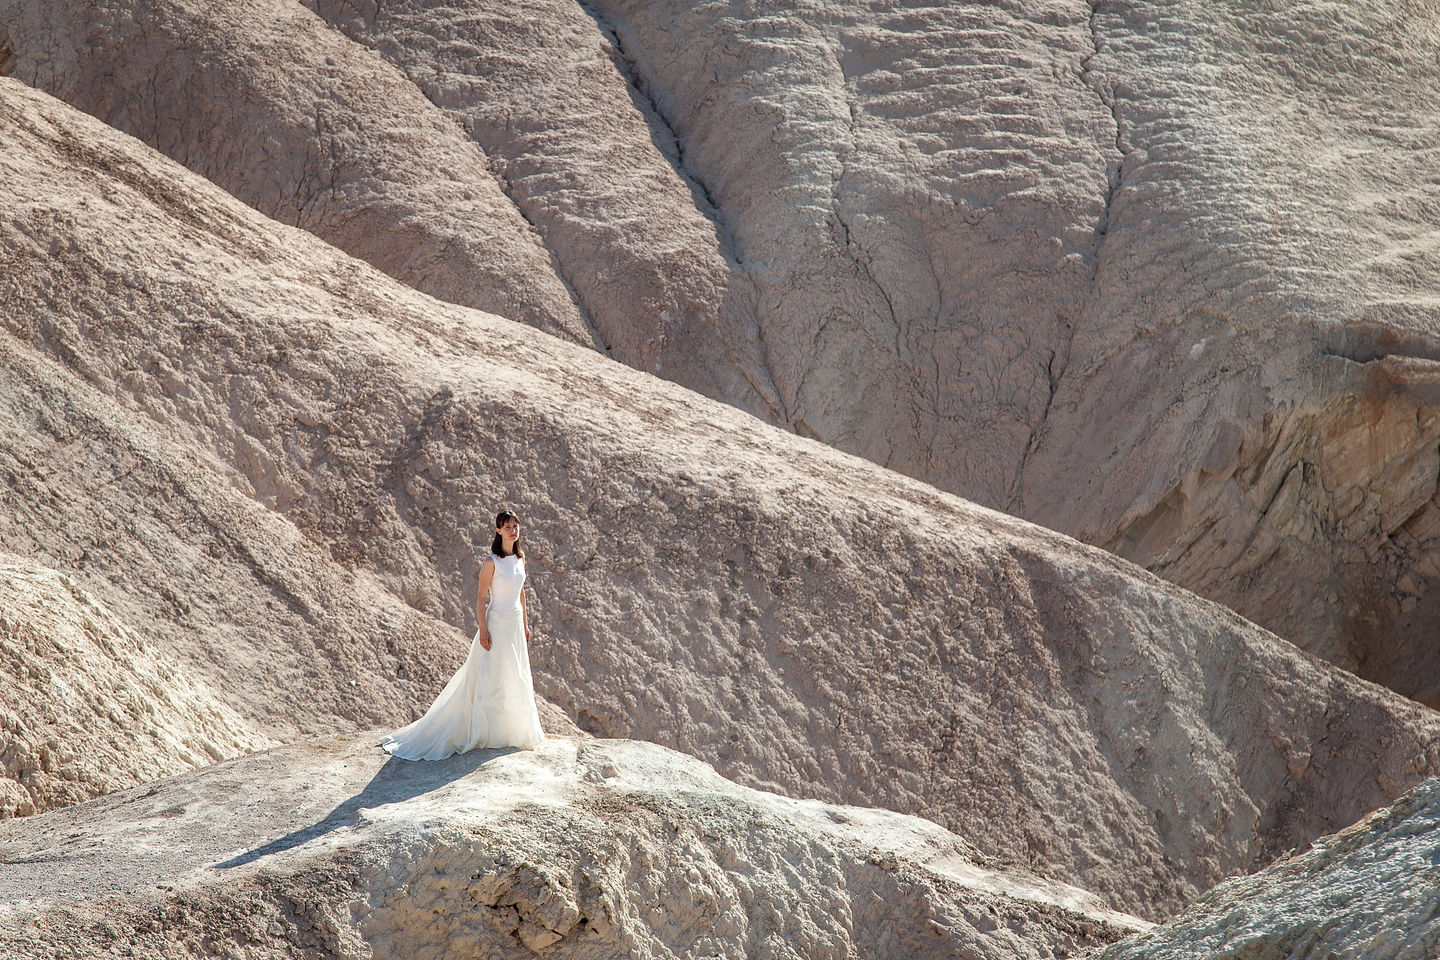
(307, 456)
(138, 567)
(579, 848)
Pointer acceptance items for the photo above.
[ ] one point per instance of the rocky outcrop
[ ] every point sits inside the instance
(579, 848)
(86, 705)
(802, 619)
(846, 187)
(1368, 891)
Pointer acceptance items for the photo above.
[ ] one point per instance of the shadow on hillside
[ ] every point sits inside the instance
(395, 782)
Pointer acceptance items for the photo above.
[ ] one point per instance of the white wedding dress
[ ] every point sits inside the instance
(490, 702)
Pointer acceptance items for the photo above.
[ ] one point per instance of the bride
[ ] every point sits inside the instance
(490, 702)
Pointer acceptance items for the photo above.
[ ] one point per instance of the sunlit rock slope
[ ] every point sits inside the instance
(581, 848)
(1372, 890)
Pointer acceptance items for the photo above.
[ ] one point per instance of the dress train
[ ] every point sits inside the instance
(489, 702)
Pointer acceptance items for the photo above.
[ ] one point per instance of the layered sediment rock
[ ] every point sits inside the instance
(1255, 386)
(847, 154)
(805, 620)
(543, 88)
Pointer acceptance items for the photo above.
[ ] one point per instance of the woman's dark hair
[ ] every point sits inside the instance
(497, 546)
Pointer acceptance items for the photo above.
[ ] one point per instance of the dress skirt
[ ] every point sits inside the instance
(489, 702)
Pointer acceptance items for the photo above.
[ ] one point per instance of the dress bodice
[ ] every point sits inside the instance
(506, 583)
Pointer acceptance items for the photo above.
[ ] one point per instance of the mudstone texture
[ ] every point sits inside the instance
(317, 286)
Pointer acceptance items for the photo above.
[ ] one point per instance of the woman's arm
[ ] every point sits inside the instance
(524, 620)
(487, 573)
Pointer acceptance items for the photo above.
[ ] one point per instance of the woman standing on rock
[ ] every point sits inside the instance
(490, 702)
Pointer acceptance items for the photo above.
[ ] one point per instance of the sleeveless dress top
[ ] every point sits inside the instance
(505, 585)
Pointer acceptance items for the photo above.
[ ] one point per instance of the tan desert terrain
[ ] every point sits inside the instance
(1159, 275)
(259, 405)
(88, 706)
(705, 581)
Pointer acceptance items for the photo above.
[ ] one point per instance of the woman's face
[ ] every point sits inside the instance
(510, 529)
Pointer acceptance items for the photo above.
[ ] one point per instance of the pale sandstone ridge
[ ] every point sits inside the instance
(87, 706)
(1161, 275)
(578, 849)
(327, 443)
(1368, 891)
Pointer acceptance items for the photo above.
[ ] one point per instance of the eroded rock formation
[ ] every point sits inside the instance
(1156, 274)
(146, 568)
(803, 619)
(1368, 891)
(1264, 294)
(586, 849)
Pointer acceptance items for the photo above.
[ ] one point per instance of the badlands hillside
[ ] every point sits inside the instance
(247, 478)
(1159, 274)
(273, 466)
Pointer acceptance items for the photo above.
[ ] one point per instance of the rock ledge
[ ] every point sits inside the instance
(581, 848)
